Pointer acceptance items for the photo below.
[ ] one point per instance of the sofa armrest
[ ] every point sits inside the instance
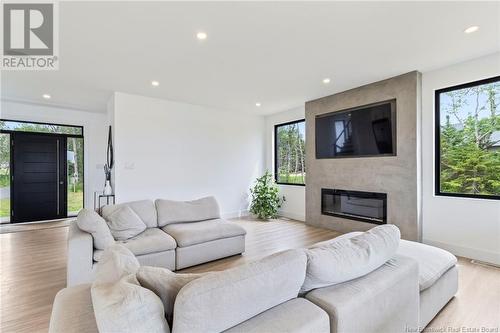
(80, 268)
(385, 300)
(73, 311)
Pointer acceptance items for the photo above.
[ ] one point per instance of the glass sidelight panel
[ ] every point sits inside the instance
(4, 177)
(75, 175)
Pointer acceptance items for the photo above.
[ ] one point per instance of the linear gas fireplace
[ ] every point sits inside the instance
(368, 207)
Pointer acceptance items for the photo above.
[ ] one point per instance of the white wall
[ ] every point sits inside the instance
(94, 132)
(466, 227)
(179, 151)
(295, 205)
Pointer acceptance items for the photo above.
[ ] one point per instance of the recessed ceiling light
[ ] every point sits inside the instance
(201, 35)
(258, 104)
(326, 80)
(471, 29)
(46, 96)
(155, 83)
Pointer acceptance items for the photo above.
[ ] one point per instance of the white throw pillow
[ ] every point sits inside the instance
(348, 258)
(125, 306)
(125, 224)
(120, 303)
(89, 221)
(165, 284)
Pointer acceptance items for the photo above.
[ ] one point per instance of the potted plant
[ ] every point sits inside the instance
(265, 198)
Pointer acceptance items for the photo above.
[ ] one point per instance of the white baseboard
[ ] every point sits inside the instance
(293, 216)
(467, 252)
(234, 215)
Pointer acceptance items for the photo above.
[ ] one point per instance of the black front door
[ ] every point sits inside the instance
(39, 177)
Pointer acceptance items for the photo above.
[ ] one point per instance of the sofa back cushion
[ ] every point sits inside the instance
(120, 303)
(165, 284)
(124, 223)
(344, 259)
(170, 211)
(89, 221)
(145, 209)
(221, 300)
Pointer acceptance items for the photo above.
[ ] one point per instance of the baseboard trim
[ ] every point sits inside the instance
(467, 252)
(293, 216)
(236, 214)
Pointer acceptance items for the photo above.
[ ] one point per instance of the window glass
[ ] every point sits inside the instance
(468, 139)
(9, 125)
(4, 177)
(290, 153)
(75, 175)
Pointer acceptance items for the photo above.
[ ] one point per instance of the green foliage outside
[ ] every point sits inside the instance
(470, 137)
(265, 198)
(290, 159)
(75, 175)
(4, 178)
(75, 202)
(5, 207)
(291, 178)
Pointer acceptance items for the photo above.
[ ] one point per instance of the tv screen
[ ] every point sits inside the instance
(364, 131)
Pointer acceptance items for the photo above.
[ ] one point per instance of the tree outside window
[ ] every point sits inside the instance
(290, 153)
(468, 140)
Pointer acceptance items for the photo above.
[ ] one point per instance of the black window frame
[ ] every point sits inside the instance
(437, 142)
(276, 150)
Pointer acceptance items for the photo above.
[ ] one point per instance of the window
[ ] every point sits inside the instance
(74, 173)
(24, 126)
(289, 153)
(468, 140)
(4, 177)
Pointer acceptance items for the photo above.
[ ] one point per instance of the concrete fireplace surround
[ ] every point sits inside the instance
(398, 176)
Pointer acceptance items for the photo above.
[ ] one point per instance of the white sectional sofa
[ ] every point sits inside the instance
(370, 285)
(176, 235)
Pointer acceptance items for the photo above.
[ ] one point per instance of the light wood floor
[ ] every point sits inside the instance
(33, 270)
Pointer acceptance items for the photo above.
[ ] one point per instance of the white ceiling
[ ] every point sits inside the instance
(275, 53)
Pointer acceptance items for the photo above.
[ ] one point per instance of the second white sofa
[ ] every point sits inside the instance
(176, 235)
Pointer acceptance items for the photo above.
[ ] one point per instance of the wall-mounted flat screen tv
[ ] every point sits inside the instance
(368, 130)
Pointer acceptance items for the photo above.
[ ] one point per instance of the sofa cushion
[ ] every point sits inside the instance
(170, 211)
(125, 306)
(294, 316)
(386, 300)
(116, 262)
(152, 240)
(187, 234)
(165, 284)
(221, 300)
(432, 261)
(89, 221)
(124, 223)
(349, 258)
(120, 303)
(145, 209)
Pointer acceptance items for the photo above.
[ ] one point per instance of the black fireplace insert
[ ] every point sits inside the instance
(368, 207)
